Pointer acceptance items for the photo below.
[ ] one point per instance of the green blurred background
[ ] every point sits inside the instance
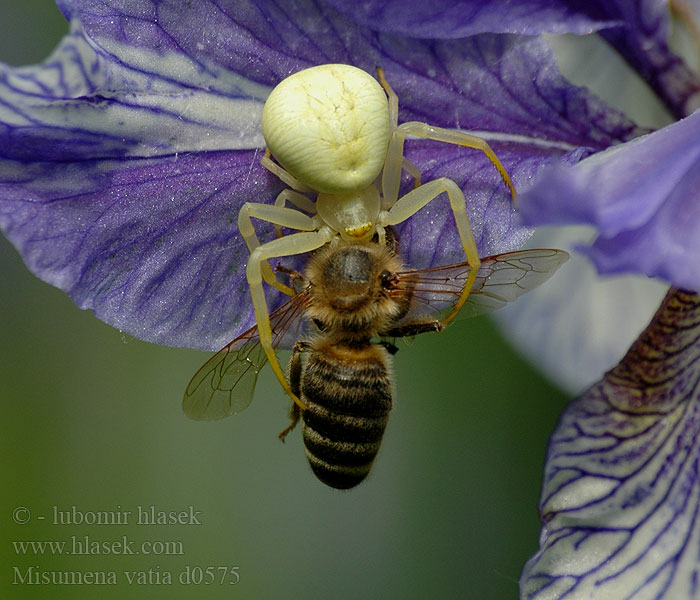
(92, 420)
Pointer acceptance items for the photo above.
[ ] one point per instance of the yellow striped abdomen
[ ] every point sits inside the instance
(348, 392)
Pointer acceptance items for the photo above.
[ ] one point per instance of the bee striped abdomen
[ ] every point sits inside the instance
(348, 397)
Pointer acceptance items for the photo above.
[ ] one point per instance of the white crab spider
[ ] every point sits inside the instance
(334, 129)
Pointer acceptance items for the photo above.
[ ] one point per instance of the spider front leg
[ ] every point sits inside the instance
(297, 243)
(391, 176)
(278, 216)
(402, 208)
(411, 203)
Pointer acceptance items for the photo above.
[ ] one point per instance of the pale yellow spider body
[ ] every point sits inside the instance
(330, 127)
(334, 132)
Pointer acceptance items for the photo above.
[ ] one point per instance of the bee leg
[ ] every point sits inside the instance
(278, 216)
(389, 347)
(415, 328)
(295, 415)
(294, 375)
(293, 275)
(294, 367)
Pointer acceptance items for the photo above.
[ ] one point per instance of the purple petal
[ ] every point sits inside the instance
(507, 84)
(302, 34)
(142, 243)
(642, 199)
(127, 199)
(82, 104)
(452, 19)
(447, 83)
(595, 319)
(621, 497)
(642, 41)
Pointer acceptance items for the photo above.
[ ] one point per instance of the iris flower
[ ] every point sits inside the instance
(125, 156)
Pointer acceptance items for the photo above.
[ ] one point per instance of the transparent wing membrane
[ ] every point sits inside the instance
(502, 278)
(226, 382)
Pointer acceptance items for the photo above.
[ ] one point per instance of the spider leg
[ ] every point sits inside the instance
(281, 173)
(391, 176)
(278, 216)
(406, 164)
(402, 208)
(297, 243)
(411, 203)
(296, 199)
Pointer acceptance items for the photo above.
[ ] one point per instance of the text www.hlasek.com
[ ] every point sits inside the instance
(85, 545)
(94, 545)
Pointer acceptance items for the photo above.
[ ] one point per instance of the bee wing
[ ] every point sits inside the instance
(224, 385)
(501, 279)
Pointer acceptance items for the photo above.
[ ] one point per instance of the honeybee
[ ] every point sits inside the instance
(351, 299)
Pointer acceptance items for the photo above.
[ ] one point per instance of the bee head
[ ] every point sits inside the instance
(350, 286)
(348, 275)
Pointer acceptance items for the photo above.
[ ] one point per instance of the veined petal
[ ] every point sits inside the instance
(461, 18)
(82, 103)
(621, 496)
(600, 316)
(150, 245)
(640, 196)
(507, 84)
